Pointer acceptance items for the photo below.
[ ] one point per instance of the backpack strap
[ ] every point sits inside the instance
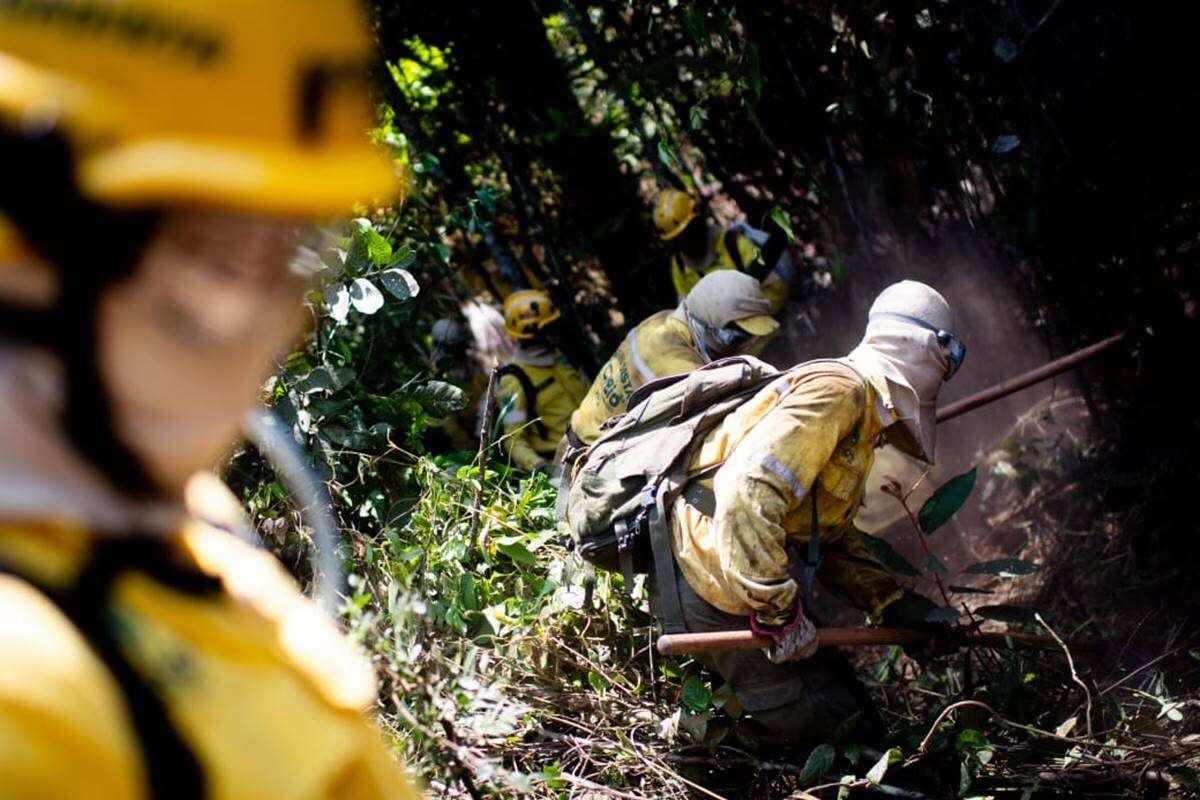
(813, 557)
(531, 393)
(664, 569)
(665, 574)
(171, 768)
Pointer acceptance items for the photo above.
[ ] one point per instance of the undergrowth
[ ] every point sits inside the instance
(498, 679)
(501, 675)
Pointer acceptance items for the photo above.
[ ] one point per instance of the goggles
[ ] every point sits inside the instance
(951, 345)
(731, 338)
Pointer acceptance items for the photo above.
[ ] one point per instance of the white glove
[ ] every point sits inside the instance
(794, 644)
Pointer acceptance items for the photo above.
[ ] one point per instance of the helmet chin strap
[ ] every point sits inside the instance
(40, 197)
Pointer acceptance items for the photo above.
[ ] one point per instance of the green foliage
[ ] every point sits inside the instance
(780, 218)
(464, 597)
(696, 695)
(887, 556)
(439, 398)
(818, 763)
(877, 772)
(474, 630)
(1187, 778)
(946, 501)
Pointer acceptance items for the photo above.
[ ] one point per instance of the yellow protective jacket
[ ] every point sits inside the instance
(721, 255)
(558, 388)
(193, 655)
(819, 423)
(661, 346)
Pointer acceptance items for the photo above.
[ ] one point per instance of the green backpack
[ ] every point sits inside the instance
(623, 483)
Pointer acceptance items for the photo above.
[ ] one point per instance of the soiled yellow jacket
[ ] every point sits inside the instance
(685, 276)
(816, 423)
(660, 346)
(258, 684)
(560, 388)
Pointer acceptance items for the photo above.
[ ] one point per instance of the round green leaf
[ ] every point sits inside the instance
(401, 283)
(780, 217)
(876, 773)
(820, 760)
(885, 555)
(695, 695)
(440, 398)
(337, 300)
(517, 552)
(946, 501)
(365, 297)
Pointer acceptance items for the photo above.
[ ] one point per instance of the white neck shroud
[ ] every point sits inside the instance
(907, 366)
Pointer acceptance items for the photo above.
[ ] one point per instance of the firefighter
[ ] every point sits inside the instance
(790, 472)
(538, 389)
(699, 248)
(454, 359)
(161, 160)
(725, 313)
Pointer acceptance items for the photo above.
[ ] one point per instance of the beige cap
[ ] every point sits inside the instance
(760, 325)
(914, 299)
(728, 296)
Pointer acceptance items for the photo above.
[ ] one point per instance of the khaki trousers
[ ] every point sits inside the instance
(797, 704)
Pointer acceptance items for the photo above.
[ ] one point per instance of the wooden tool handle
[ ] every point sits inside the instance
(676, 644)
(1026, 379)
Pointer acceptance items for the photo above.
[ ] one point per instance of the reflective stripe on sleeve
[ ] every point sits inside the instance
(646, 372)
(781, 471)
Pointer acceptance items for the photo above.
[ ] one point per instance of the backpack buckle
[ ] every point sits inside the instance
(627, 530)
(646, 496)
(624, 535)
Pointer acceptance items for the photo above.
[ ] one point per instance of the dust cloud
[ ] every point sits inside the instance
(995, 319)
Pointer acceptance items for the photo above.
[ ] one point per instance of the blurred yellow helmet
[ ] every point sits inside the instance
(246, 105)
(673, 210)
(528, 311)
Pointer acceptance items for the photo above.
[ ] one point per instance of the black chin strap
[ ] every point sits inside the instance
(91, 247)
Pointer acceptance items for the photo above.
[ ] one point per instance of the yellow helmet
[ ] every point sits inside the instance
(253, 105)
(528, 311)
(673, 210)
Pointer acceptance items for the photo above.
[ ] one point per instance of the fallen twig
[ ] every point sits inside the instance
(485, 434)
(1027, 728)
(464, 774)
(1087, 693)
